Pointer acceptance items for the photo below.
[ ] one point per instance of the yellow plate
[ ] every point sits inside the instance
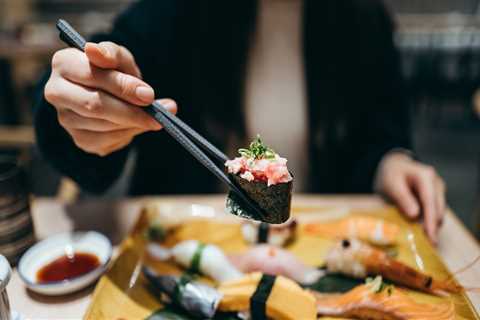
(122, 293)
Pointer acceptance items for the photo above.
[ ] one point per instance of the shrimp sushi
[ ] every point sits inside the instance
(357, 259)
(263, 175)
(373, 230)
(375, 301)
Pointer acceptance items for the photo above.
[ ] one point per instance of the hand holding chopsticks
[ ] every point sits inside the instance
(193, 142)
(98, 96)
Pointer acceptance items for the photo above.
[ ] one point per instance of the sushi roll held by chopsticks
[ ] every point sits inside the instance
(263, 175)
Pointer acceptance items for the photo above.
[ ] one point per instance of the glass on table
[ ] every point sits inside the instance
(16, 225)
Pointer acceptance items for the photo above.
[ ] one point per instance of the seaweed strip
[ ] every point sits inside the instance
(258, 301)
(263, 230)
(197, 257)
(331, 283)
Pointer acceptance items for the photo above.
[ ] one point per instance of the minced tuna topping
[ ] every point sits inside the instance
(259, 163)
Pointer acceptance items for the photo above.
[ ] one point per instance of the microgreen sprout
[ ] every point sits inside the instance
(257, 150)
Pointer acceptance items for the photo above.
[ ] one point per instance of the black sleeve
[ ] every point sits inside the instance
(145, 29)
(381, 119)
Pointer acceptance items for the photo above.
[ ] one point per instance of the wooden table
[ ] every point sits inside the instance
(456, 245)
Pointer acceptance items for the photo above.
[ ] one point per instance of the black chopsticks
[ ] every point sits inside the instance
(70, 36)
(191, 140)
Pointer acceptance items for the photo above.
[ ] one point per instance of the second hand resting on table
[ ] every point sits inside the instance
(97, 95)
(415, 188)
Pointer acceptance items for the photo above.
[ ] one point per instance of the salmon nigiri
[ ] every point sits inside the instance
(358, 259)
(367, 302)
(373, 230)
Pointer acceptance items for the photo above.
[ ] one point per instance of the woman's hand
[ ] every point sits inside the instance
(97, 95)
(415, 188)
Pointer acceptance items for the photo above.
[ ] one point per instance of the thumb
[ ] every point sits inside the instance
(108, 55)
(169, 104)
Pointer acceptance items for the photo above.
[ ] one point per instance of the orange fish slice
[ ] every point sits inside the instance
(391, 304)
(373, 230)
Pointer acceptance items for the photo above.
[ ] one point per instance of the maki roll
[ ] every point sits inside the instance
(263, 175)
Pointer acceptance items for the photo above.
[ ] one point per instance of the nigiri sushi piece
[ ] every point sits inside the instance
(195, 256)
(273, 260)
(373, 230)
(358, 259)
(369, 303)
(199, 300)
(260, 232)
(172, 215)
(285, 299)
(263, 175)
(163, 218)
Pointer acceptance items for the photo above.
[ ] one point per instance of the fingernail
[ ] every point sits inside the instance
(169, 104)
(145, 94)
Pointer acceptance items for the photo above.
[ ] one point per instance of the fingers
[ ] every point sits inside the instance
(72, 120)
(120, 85)
(169, 104)
(108, 55)
(75, 67)
(118, 146)
(415, 188)
(402, 195)
(440, 200)
(102, 143)
(425, 185)
(97, 94)
(98, 105)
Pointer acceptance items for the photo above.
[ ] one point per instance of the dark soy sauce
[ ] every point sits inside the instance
(67, 267)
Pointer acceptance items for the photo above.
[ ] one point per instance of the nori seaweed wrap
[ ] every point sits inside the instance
(197, 299)
(263, 176)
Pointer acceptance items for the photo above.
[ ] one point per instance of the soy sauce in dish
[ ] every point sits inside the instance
(66, 267)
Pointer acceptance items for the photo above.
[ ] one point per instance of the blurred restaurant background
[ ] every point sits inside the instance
(439, 41)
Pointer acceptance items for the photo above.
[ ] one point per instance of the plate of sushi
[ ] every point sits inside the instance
(192, 261)
(187, 261)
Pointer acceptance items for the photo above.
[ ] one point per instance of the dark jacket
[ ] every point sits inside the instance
(194, 51)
